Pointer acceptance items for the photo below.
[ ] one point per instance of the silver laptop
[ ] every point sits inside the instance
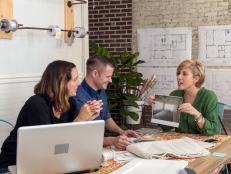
(60, 148)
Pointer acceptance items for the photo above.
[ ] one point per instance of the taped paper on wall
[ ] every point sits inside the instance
(164, 46)
(215, 45)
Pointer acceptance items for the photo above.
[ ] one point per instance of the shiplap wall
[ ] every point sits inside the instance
(23, 59)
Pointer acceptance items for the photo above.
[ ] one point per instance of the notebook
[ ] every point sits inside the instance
(165, 110)
(60, 148)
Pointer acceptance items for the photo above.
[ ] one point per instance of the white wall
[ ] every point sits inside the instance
(23, 59)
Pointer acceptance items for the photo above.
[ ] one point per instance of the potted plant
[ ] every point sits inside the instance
(127, 82)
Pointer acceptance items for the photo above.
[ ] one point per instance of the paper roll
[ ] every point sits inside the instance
(80, 32)
(8, 26)
(108, 154)
(13, 25)
(54, 30)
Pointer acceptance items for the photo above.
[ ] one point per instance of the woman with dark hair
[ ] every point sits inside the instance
(51, 104)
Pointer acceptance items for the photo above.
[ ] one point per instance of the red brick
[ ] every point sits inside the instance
(110, 32)
(110, 7)
(113, 11)
(127, 19)
(115, 28)
(110, 15)
(114, 19)
(121, 6)
(103, 11)
(115, 2)
(110, 26)
(104, 20)
(126, 10)
(121, 23)
(115, 36)
(103, 28)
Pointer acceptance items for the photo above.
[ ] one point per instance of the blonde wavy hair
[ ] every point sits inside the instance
(196, 68)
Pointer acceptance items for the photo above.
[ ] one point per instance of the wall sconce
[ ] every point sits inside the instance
(70, 3)
(8, 25)
(52, 30)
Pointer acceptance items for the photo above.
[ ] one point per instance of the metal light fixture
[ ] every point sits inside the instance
(70, 3)
(8, 25)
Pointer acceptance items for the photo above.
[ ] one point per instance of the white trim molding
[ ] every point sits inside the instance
(19, 79)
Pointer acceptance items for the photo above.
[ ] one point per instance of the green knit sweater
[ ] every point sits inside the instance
(206, 103)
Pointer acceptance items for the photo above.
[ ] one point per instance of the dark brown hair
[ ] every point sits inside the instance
(53, 84)
(98, 63)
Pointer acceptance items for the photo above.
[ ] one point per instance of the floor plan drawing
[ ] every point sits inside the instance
(218, 44)
(164, 46)
(215, 45)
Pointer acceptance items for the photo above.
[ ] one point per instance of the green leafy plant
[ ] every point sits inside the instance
(126, 80)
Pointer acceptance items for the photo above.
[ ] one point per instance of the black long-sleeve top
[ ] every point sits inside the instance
(36, 111)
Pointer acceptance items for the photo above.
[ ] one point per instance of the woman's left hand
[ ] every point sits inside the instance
(188, 108)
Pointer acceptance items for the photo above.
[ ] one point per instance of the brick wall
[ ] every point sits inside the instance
(180, 13)
(113, 23)
(110, 24)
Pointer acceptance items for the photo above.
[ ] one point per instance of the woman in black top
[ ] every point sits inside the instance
(51, 104)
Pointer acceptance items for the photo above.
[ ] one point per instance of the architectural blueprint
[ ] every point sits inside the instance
(215, 45)
(166, 79)
(220, 82)
(164, 46)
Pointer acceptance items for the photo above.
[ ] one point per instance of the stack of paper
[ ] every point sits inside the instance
(181, 148)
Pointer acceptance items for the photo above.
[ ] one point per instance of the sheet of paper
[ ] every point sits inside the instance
(220, 82)
(215, 45)
(164, 46)
(138, 166)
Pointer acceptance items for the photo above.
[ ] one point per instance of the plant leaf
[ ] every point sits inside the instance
(126, 113)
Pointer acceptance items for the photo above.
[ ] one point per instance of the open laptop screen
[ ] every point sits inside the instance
(60, 148)
(164, 110)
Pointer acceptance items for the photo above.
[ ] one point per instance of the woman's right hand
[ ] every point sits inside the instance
(90, 110)
(151, 99)
(96, 107)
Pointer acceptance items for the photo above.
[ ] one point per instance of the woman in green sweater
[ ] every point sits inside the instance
(199, 111)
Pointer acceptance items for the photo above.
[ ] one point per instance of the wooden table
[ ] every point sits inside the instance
(202, 165)
(208, 164)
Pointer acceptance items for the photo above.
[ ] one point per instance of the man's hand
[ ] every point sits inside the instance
(131, 133)
(151, 99)
(121, 142)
